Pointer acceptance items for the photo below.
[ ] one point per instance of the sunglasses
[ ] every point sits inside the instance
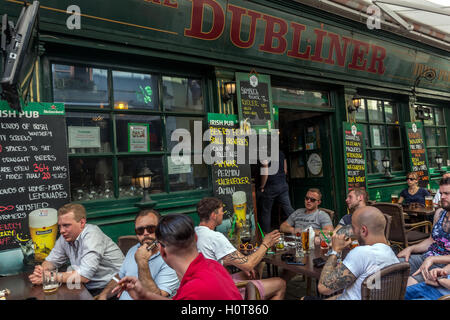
(246, 246)
(411, 179)
(310, 199)
(150, 229)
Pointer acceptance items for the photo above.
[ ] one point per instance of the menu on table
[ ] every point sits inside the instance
(355, 156)
(417, 152)
(34, 174)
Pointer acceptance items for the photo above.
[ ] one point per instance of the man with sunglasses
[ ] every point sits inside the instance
(214, 245)
(201, 278)
(145, 262)
(308, 216)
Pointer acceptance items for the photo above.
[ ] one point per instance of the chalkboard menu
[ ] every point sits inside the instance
(417, 152)
(229, 176)
(254, 98)
(34, 172)
(355, 156)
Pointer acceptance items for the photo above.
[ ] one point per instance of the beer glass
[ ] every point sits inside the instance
(240, 206)
(43, 224)
(429, 202)
(50, 282)
(394, 198)
(280, 244)
(305, 240)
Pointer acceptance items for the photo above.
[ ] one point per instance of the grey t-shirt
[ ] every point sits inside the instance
(317, 219)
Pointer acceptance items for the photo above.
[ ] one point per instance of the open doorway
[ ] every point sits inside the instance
(305, 140)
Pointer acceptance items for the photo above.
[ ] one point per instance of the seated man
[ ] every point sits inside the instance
(94, 257)
(308, 216)
(427, 254)
(201, 279)
(149, 266)
(436, 285)
(214, 245)
(356, 198)
(437, 196)
(373, 254)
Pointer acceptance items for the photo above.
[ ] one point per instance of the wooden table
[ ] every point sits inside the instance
(21, 289)
(308, 270)
(420, 212)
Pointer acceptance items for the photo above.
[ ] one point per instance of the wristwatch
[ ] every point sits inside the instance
(338, 255)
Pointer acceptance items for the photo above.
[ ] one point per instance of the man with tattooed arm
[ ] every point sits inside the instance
(214, 245)
(373, 254)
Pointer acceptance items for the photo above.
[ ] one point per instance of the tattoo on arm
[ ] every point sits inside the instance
(336, 276)
(235, 258)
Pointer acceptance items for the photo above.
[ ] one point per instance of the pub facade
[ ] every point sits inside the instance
(127, 70)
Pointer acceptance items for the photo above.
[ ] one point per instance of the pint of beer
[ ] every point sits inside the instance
(429, 202)
(305, 240)
(394, 198)
(240, 206)
(43, 225)
(50, 281)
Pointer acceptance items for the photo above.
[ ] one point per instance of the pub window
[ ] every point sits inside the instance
(120, 121)
(382, 134)
(435, 131)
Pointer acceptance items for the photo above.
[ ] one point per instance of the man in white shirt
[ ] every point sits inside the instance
(214, 245)
(373, 254)
(93, 256)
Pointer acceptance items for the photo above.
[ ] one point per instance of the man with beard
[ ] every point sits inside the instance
(155, 275)
(373, 254)
(356, 198)
(434, 251)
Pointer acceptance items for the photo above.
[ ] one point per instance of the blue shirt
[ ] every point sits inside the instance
(419, 196)
(93, 255)
(165, 277)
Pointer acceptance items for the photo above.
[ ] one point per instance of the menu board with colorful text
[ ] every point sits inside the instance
(355, 156)
(417, 152)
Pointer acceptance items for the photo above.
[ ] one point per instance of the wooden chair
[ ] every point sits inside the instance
(126, 242)
(330, 213)
(389, 283)
(403, 234)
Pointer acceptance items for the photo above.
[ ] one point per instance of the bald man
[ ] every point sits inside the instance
(372, 254)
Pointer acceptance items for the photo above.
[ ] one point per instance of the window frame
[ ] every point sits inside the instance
(108, 109)
(386, 150)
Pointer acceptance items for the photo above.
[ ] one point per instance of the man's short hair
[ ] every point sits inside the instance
(176, 230)
(79, 212)
(145, 212)
(206, 206)
(361, 192)
(316, 191)
(444, 181)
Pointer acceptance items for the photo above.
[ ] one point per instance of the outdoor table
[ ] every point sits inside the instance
(419, 211)
(307, 270)
(22, 289)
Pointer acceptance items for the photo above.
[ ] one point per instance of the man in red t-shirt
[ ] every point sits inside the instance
(202, 279)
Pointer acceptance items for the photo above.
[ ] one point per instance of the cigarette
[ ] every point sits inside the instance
(151, 245)
(115, 279)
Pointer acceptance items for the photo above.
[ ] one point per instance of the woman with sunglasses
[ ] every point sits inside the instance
(414, 193)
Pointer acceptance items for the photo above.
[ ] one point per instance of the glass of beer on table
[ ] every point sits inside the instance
(43, 224)
(394, 198)
(429, 202)
(305, 240)
(50, 280)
